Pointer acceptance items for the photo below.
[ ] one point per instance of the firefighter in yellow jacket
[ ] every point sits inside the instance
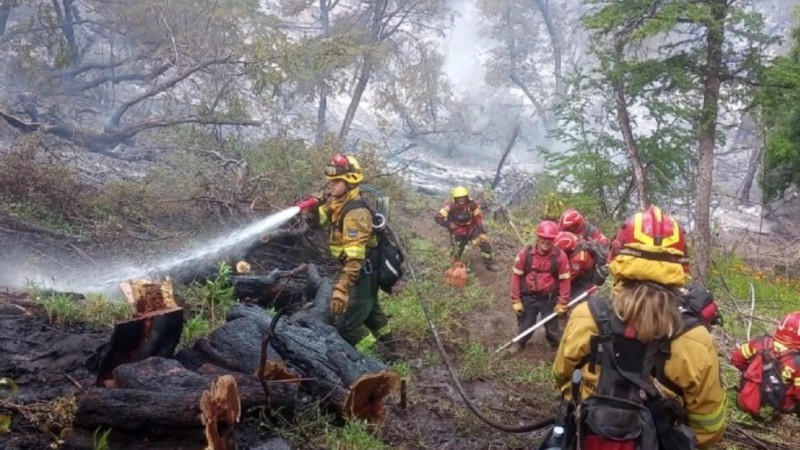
(354, 303)
(649, 266)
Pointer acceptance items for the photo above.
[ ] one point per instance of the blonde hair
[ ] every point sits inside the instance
(651, 309)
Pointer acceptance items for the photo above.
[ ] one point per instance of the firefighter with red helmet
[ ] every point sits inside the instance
(540, 284)
(581, 262)
(783, 348)
(634, 354)
(573, 221)
(463, 218)
(352, 241)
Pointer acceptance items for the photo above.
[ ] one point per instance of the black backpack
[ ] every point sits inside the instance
(625, 406)
(388, 258)
(599, 254)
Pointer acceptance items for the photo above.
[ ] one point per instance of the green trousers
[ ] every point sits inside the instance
(363, 310)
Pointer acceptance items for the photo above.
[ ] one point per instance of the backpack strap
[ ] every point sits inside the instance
(526, 269)
(350, 206)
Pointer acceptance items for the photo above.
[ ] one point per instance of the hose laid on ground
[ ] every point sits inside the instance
(440, 348)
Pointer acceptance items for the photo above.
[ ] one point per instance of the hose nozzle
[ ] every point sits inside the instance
(308, 203)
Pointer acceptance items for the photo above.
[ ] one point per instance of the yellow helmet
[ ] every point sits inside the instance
(460, 191)
(342, 167)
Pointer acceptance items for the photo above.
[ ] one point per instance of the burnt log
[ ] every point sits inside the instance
(278, 289)
(152, 334)
(158, 394)
(237, 346)
(348, 383)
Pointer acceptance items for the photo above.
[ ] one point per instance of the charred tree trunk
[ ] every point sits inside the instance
(155, 329)
(707, 128)
(511, 141)
(159, 396)
(753, 163)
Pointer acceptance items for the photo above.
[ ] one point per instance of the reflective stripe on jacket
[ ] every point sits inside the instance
(349, 244)
(693, 366)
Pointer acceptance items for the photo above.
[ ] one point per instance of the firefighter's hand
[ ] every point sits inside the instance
(561, 308)
(319, 196)
(338, 302)
(517, 305)
(242, 267)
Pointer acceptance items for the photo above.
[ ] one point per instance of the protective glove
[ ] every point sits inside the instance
(242, 267)
(517, 305)
(561, 308)
(338, 302)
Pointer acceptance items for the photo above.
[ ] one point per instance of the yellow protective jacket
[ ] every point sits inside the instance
(350, 243)
(693, 366)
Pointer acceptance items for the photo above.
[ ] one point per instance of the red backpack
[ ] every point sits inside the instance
(762, 382)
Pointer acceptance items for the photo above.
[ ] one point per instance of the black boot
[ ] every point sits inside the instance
(386, 348)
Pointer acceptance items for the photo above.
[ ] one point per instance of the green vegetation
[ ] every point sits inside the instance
(208, 304)
(95, 309)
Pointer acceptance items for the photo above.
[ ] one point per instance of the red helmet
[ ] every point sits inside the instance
(571, 220)
(547, 230)
(788, 331)
(651, 246)
(566, 241)
(653, 228)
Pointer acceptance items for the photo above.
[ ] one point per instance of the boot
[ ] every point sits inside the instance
(490, 266)
(386, 348)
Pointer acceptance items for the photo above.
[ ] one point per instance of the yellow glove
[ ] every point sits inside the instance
(243, 267)
(338, 302)
(561, 309)
(517, 305)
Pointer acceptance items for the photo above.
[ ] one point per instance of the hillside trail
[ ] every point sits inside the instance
(496, 325)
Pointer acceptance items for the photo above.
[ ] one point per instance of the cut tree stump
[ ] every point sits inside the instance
(220, 411)
(155, 329)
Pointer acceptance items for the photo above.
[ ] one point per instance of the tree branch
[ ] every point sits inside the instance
(113, 123)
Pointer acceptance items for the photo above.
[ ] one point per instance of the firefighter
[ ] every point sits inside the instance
(463, 218)
(354, 302)
(540, 284)
(581, 262)
(573, 221)
(784, 348)
(642, 332)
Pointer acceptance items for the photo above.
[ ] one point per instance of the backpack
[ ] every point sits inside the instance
(626, 412)
(699, 308)
(762, 383)
(526, 268)
(599, 255)
(388, 258)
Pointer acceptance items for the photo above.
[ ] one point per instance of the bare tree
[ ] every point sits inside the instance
(171, 63)
(624, 122)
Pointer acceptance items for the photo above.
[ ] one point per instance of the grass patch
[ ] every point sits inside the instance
(208, 304)
(95, 310)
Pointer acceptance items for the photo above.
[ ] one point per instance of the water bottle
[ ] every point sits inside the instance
(556, 438)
